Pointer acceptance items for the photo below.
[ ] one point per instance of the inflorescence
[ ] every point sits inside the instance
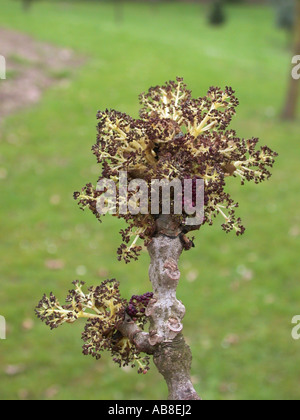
(137, 307)
(104, 310)
(179, 137)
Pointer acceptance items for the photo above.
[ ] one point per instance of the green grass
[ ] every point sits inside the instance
(46, 151)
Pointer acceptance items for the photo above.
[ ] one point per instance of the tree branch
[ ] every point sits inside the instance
(172, 356)
(140, 338)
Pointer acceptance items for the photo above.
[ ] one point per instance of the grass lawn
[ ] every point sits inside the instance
(240, 293)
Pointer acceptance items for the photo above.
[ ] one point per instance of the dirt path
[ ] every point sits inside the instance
(31, 67)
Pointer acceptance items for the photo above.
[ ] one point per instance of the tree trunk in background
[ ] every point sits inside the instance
(119, 11)
(26, 5)
(154, 6)
(290, 109)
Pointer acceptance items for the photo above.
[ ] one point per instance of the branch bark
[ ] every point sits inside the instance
(129, 329)
(172, 356)
(165, 341)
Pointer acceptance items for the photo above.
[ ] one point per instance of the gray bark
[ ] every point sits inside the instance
(140, 338)
(165, 341)
(172, 356)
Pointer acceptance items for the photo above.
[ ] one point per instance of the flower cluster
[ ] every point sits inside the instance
(137, 307)
(180, 137)
(104, 310)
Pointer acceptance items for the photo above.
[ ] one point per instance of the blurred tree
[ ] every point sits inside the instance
(290, 108)
(285, 14)
(154, 5)
(119, 11)
(217, 14)
(27, 4)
